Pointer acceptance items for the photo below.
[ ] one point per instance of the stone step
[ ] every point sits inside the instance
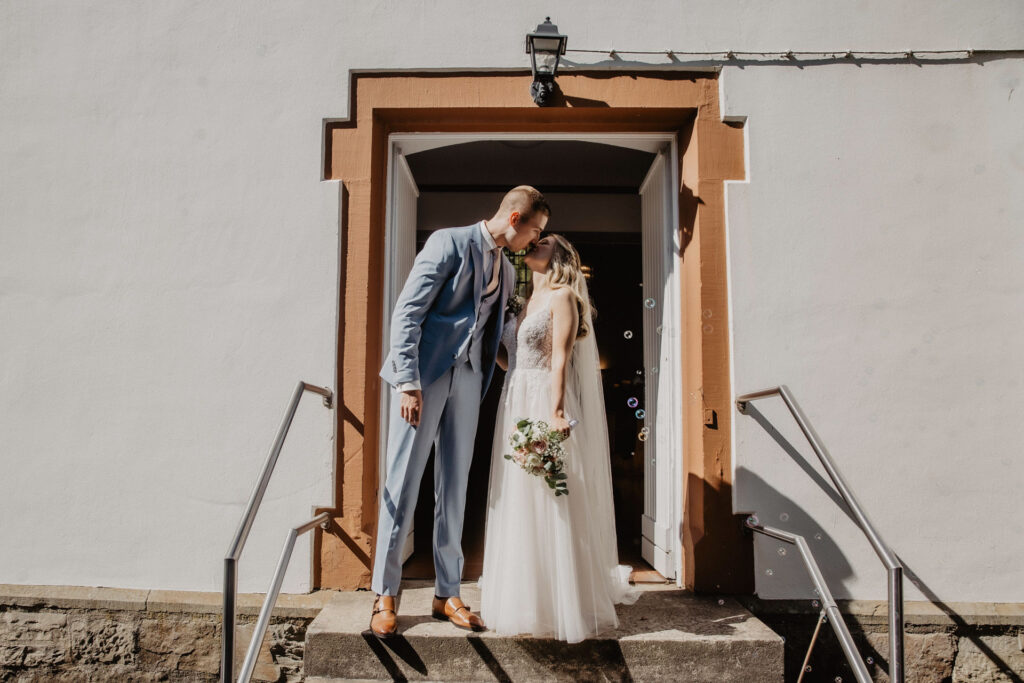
(669, 634)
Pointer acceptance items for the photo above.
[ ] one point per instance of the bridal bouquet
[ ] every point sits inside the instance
(538, 450)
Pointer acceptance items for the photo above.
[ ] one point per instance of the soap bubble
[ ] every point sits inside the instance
(784, 517)
(807, 668)
(839, 679)
(817, 537)
(641, 414)
(639, 373)
(752, 519)
(824, 620)
(707, 312)
(654, 370)
(645, 430)
(815, 603)
(642, 436)
(870, 660)
(721, 601)
(632, 402)
(659, 329)
(650, 303)
(628, 334)
(769, 572)
(782, 552)
(708, 329)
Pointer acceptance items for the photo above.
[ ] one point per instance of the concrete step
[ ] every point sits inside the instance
(669, 634)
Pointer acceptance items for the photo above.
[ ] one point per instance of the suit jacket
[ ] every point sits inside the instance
(435, 315)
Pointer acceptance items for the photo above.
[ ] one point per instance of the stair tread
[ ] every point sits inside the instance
(662, 613)
(711, 637)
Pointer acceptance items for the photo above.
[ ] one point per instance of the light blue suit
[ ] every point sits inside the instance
(445, 335)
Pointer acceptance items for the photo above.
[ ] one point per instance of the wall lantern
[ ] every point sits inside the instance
(545, 46)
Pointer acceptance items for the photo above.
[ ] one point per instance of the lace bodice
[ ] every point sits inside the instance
(528, 340)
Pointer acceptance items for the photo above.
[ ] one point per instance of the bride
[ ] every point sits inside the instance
(551, 562)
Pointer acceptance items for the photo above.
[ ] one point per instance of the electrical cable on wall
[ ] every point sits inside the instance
(736, 55)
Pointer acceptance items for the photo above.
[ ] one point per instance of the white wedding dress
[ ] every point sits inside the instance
(551, 563)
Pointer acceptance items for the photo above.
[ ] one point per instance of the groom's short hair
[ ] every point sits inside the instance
(526, 200)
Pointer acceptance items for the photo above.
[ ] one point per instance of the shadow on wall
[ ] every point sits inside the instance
(787, 569)
(780, 569)
(778, 564)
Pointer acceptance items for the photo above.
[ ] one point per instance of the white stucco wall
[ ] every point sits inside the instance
(875, 262)
(168, 263)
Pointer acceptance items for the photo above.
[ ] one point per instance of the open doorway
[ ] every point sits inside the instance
(609, 197)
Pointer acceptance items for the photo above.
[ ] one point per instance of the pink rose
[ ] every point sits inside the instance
(539, 446)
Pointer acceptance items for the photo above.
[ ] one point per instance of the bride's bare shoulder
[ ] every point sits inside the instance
(563, 302)
(562, 295)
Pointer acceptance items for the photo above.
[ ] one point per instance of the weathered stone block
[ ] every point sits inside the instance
(92, 674)
(179, 643)
(927, 657)
(989, 658)
(187, 644)
(288, 647)
(102, 639)
(265, 669)
(33, 639)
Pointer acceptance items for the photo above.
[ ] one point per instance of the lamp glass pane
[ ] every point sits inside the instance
(546, 44)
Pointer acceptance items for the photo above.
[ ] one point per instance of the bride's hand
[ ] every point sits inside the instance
(560, 425)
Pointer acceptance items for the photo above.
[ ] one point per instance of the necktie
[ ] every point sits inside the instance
(491, 272)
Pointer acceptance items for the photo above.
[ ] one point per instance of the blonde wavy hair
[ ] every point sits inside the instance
(565, 270)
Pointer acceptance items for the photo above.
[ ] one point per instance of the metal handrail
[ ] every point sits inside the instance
(227, 652)
(829, 607)
(893, 566)
(260, 632)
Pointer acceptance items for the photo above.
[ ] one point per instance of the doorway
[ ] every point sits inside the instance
(610, 197)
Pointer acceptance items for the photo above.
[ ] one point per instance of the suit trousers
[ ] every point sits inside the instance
(448, 420)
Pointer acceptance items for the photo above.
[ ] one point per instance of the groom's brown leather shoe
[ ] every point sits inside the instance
(457, 613)
(384, 618)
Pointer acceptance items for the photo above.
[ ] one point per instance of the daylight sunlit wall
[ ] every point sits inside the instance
(168, 267)
(876, 255)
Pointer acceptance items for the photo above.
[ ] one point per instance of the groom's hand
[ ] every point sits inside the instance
(412, 406)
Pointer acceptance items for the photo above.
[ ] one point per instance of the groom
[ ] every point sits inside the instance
(445, 332)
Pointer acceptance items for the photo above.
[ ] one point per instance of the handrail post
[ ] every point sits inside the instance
(227, 650)
(896, 670)
(227, 638)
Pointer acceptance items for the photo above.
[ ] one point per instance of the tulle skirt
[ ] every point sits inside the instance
(542, 574)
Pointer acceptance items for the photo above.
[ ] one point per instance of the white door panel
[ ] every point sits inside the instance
(662, 400)
(400, 252)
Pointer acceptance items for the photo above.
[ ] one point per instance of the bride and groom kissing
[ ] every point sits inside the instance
(550, 561)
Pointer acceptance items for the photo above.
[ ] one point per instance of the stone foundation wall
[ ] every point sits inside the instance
(70, 633)
(943, 643)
